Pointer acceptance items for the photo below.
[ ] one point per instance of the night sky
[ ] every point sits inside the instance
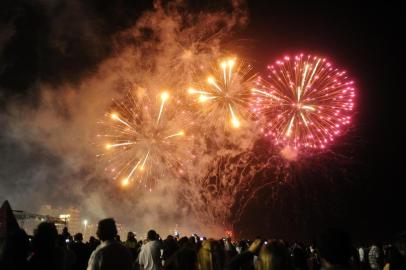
(363, 194)
(364, 38)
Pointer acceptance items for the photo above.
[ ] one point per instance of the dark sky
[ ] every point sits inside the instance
(363, 38)
(366, 40)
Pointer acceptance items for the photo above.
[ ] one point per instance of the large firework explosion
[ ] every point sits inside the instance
(144, 140)
(224, 94)
(306, 102)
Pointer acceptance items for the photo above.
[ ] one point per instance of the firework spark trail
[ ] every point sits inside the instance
(306, 102)
(229, 186)
(224, 96)
(141, 148)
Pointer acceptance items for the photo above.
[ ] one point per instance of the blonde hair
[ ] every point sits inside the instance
(205, 256)
(264, 261)
(274, 256)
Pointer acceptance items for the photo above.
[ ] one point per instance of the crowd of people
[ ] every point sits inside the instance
(50, 250)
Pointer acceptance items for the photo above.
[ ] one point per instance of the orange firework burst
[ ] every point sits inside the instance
(224, 95)
(306, 102)
(145, 139)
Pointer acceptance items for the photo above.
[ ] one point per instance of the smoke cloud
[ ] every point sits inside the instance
(48, 135)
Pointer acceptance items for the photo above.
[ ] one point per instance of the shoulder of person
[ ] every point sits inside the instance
(121, 246)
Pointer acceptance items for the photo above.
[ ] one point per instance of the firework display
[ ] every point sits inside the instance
(144, 140)
(200, 117)
(224, 95)
(302, 105)
(306, 102)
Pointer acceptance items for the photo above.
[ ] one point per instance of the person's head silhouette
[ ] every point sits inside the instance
(106, 229)
(78, 237)
(152, 235)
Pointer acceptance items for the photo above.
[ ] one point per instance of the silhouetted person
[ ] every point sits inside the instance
(335, 249)
(274, 256)
(219, 253)
(47, 255)
(92, 244)
(271, 256)
(298, 258)
(229, 250)
(313, 260)
(66, 235)
(210, 256)
(117, 238)
(362, 255)
(109, 255)
(245, 260)
(132, 245)
(241, 246)
(184, 258)
(68, 255)
(375, 257)
(397, 255)
(81, 252)
(149, 257)
(169, 246)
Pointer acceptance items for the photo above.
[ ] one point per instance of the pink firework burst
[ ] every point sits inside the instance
(306, 102)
